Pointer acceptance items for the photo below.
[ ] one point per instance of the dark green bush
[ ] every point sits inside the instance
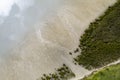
(100, 44)
(63, 73)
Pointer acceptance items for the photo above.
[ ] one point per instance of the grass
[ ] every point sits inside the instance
(100, 44)
(108, 73)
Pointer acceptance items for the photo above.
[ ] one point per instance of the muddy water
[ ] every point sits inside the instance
(48, 41)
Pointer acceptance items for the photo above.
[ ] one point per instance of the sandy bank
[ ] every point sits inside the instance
(47, 45)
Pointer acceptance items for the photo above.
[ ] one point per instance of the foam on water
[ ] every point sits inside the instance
(21, 18)
(52, 30)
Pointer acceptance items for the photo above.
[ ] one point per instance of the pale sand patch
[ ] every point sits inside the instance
(47, 46)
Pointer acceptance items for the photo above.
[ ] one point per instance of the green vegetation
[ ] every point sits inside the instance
(100, 44)
(109, 73)
(63, 73)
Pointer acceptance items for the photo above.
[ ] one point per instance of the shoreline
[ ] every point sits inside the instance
(99, 69)
(33, 55)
